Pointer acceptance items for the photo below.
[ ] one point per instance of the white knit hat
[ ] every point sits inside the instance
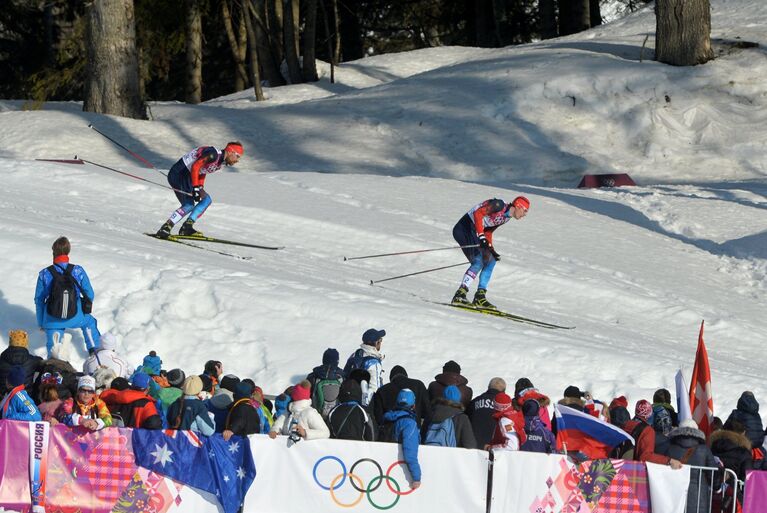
(86, 382)
(108, 341)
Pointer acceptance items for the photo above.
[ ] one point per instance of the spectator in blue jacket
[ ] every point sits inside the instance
(407, 433)
(54, 326)
(188, 412)
(17, 405)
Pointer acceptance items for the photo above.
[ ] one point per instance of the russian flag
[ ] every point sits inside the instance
(578, 431)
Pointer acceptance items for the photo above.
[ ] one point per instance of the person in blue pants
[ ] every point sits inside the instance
(187, 178)
(54, 323)
(475, 229)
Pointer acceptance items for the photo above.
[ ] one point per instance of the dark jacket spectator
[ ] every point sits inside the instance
(573, 398)
(349, 420)
(662, 398)
(330, 371)
(733, 448)
(188, 412)
(747, 413)
(661, 423)
(688, 445)
(539, 437)
(451, 375)
(385, 398)
(219, 406)
(17, 355)
(481, 410)
(243, 418)
(450, 407)
(133, 405)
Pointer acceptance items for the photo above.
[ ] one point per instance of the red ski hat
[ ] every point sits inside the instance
(521, 202)
(502, 402)
(619, 401)
(235, 147)
(300, 393)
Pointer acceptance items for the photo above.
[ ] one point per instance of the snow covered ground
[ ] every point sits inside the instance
(388, 159)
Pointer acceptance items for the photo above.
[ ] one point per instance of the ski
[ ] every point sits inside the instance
(180, 238)
(510, 316)
(185, 243)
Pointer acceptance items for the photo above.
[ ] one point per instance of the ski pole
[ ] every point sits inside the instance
(410, 252)
(136, 177)
(139, 157)
(372, 282)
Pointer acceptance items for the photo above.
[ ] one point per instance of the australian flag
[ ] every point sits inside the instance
(225, 469)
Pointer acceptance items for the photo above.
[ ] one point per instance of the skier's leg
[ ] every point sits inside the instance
(486, 274)
(200, 208)
(52, 336)
(91, 333)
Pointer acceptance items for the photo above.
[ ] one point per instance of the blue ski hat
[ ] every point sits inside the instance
(405, 399)
(452, 394)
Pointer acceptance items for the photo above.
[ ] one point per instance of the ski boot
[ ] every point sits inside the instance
(480, 301)
(164, 231)
(460, 296)
(188, 230)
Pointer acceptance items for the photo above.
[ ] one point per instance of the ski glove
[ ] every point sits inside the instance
(483, 243)
(495, 254)
(197, 194)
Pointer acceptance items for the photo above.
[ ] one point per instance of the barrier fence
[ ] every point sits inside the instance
(62, 469)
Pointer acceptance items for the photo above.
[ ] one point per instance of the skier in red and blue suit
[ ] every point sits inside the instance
(476, 229)
(187, 177)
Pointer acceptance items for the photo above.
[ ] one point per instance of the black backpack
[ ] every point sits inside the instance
(62, 302)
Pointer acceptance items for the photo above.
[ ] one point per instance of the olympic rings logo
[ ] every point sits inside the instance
(357, 483)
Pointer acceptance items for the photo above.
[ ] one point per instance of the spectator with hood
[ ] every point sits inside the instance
(243, 418)
(747, 413)
(688, 446)
(385, 399)
(326, 382)
(449, 408)
(539, 437)
(451, 375)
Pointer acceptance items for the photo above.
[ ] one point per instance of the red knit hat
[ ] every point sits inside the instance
(502, 402)
(643, 410)
(300, 393)
(619, 401)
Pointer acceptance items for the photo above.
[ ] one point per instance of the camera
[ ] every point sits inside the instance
(294, 436)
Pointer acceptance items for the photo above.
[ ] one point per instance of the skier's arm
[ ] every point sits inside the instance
(207, 156)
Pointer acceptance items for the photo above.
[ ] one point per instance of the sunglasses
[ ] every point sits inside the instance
(51, 378)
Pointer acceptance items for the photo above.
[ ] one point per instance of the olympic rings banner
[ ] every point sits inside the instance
(340, 475)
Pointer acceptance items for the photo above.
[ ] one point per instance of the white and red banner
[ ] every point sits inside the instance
(701, 397)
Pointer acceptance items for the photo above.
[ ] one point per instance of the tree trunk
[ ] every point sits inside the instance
(276, 23)
(296, 11)
(683, 32)
(193, 92)
(485, 24)
(266, 58)
(337, 33)
(309, 64)
(255, 75)
(294, 69)
(112, 84)
(351, 32)
(547, 13)
(595, 13)
(574, 16)
(237, 45)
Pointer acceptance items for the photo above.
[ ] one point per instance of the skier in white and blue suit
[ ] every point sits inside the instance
(54, 326)
(187, 178)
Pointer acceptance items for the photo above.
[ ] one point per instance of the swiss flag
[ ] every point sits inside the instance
(701, 398)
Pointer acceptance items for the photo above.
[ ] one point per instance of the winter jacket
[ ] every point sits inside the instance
(165, 397)
(509, 434)
(747, 412)
(539, 437)
(219, 406)
(110, 359)
(445, 379)
(17, 405)
(464, 434)
(734, 450)
(188, 413)
(368, 359)
(243, 418)
(74, 413)
(671, 412)
(644, 449)
(52, 410)
(349, 420)
(480, 411)
(14, 356)
(688, 445)
(385, 399)
(406, 433)
(135, 408)
(43, 290)
(543, 402)
(302, 413)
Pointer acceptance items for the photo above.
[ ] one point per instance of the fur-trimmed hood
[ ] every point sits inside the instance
(687, 432)
(723, 436)
(573, 402)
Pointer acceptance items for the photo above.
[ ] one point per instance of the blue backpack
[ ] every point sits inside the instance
(441, 433)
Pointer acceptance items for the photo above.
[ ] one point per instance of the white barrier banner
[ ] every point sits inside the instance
(668, 487)
(339, 475)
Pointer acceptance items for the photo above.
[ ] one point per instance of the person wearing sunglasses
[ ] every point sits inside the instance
(474, 233)
(87, 410)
